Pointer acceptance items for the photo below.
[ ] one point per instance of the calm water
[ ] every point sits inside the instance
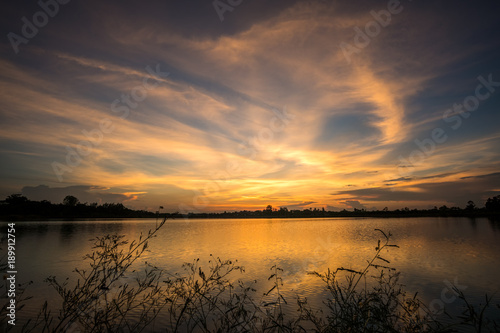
(432, 250)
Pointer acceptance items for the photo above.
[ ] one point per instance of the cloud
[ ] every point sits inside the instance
(332, 208)
(351, 122)
(299, 206)
(401, 179)
(355, 204)
(83, 193)
(490, 175)
(458, 192)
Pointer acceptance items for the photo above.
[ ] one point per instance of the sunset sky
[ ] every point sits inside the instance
(230, 105)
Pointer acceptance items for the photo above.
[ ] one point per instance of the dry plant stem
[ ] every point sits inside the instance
(108, 263)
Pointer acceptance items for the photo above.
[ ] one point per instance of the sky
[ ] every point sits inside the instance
(236, 104)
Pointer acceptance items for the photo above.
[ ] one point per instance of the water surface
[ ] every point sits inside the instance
(431, 253)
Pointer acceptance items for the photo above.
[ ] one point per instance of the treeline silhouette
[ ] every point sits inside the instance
(19, 207)
(491, 209)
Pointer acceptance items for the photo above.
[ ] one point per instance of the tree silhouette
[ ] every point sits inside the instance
(71, 201)
(493, 204)
(16, 199)
(470, 205)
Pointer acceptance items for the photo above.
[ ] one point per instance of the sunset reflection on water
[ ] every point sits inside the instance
(431, 250)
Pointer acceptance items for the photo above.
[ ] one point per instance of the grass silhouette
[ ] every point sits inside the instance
(111, 296)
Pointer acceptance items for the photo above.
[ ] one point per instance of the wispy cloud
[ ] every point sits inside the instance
(351, 121)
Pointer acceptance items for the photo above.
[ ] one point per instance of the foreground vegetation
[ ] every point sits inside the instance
(111, 296)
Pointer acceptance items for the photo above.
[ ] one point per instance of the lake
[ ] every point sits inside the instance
(432, 251)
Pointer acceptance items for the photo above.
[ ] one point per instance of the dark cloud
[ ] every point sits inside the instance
(354, 204)
(475, 188)
(333, 208)
(299, 206)
(84, 193)
(494, 175)
(402, 179)
(442, 175)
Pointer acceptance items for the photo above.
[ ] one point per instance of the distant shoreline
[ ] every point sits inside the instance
(19, 208)
(494, 216)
